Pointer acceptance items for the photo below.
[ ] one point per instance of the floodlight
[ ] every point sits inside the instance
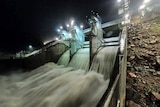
(67, 25)
(30, 46)
(142, 7)
(57, 39)
(126, 16)
(81, 26)
(58, 30)
(118, 1)
(61, 27)
(146, 1)
(72, 22)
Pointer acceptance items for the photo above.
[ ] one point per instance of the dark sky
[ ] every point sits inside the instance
(31, 22)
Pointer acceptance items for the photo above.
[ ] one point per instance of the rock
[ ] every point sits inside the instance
(158, 60)
(132, 45)
(158, 72)
(138, 56)
(145, 55)
(134, 38)
(132, 57)
(143, 82)
(131, 103)
(153, 37)
(153, 41)
(146, 67)
(129, 64)
(145, 36)
(150, 53)
(154, 74)
(152, 70)
(139, 69)
(155, 96)
(132, 74)
(142, 46)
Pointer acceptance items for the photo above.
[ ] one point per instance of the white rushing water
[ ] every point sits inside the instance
(80, 60)
(53, 85)
(104, 61)
(64, 59)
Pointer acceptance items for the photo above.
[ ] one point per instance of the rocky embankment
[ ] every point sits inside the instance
(143, 66)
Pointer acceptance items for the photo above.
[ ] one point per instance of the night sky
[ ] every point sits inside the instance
(31, 22)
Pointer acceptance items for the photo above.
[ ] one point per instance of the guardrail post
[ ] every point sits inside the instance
(122, 82)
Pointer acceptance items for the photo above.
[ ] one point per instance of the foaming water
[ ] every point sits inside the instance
(104, 61)
(64, 59)
(52, 85)
(80, 60)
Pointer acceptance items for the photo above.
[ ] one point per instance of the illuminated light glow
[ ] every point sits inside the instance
(58, 30)
(118, 1)
(30, 46)
(46, 42)
(67, 25)
(61, 27)
(123, 22)
(146, 1)
(81, 26)
(126, 16)
(142, 7)
(57, 39)
(72, 22)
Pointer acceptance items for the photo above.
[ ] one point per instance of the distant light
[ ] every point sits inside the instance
(118, 1)
(61, 27)
(123, 23)
(46, 42)
(142, 7)
(72, 22)
(67, 25)
(30, 46)
(81, 26)
(126, 16)
(58, 30)
(146, 1)
(57, 39)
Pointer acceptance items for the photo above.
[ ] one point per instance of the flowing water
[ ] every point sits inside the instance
(80, 60)
(55, 85)
(104, 60)
(64, 59)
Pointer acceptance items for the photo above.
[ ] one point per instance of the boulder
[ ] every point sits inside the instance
(131, 103)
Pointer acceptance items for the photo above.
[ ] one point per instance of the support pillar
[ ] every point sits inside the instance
(93, 47)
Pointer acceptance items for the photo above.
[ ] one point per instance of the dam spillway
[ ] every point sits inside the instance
(67, 83)
(53, 85)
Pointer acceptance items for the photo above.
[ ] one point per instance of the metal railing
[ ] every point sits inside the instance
(116, 94)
